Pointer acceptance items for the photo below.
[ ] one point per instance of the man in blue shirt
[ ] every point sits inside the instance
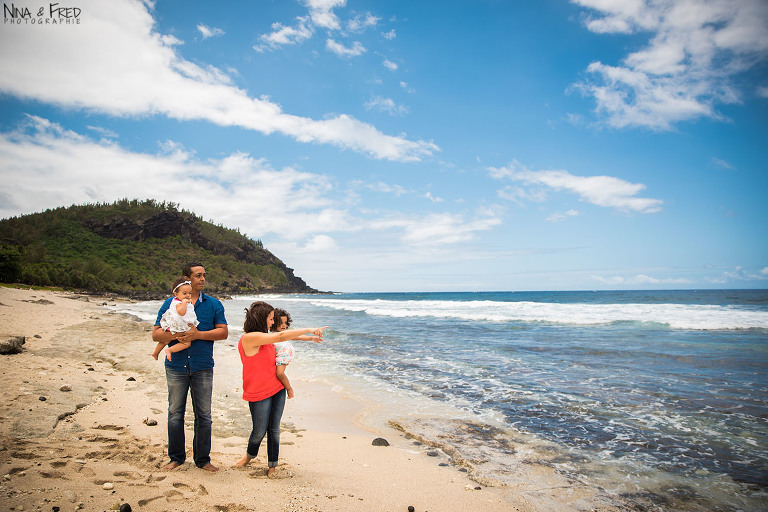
(191, 370)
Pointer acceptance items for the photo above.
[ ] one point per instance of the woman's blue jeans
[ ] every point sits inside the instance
(200, 385)
(266, 415)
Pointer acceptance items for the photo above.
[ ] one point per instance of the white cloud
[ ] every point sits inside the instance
(606, 191)
(207, 32)
(742, 274)
(380, 186)
(432, 198)
(322, 15)
(361, 23)
(558, 217)
(133, 72)
(104, 132)
(520, 196)
(390, 35)
(320, 243)
(387, 105)
(389, 65)
(282, 35)
(640, 279)
(762, 91)
(695, 50)
(45, 166)
(719, 162)
(439, 228)
(342, 51)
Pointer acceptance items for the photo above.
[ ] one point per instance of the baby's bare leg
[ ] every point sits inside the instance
(157, 350)
(283, 378)
(175, 348)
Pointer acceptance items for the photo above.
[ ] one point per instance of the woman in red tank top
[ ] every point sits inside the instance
(261, 388)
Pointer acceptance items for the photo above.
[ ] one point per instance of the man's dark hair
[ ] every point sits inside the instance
(187, 270)
(256, 317)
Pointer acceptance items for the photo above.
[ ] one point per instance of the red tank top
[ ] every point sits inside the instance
(259, 380)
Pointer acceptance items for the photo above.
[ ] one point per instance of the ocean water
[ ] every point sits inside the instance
(660, 398)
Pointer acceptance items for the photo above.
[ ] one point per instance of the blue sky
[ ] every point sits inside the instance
(411, 146)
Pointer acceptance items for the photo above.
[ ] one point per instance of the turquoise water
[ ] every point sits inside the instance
(666, 389)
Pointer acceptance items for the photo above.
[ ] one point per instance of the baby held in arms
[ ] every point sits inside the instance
(284, 349)
(178, 317)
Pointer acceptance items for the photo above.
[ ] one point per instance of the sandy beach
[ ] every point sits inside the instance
(83, 427)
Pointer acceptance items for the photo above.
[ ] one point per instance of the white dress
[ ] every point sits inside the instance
(172, 321)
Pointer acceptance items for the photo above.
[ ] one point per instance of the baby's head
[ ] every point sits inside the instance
(182, 289)
(282, 320)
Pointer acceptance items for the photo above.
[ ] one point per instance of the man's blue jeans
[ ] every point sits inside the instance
(266, 415)
(200, 384)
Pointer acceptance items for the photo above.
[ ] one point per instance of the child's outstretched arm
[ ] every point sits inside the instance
(252, 340)
(316, 339)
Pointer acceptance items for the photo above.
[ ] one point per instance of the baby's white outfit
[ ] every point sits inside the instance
(172, 321)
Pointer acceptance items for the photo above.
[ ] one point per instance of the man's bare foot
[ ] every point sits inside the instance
(290, 392)
(171, 465)
(210, 467)
(243, 462)
(271, 472)
(168, 353)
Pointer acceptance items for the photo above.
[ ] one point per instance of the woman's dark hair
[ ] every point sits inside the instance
(279, 313)
(256, 317)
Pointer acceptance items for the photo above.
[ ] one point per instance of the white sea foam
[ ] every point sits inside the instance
(676, 316)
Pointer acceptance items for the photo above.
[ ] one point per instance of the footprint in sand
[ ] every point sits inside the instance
(53, 474)
(174, 496)
(109, 427)
(145, 502)
(58, 463)
(130, 475)
(24, 455)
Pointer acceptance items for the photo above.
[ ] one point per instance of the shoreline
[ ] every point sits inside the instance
(77, 409)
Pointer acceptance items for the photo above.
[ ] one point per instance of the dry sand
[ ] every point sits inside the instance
(74, 434)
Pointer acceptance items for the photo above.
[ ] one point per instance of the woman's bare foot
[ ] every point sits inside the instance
(243, 462)
(271, 472)
(290, 392)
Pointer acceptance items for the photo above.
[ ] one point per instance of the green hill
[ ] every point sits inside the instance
(135, 248)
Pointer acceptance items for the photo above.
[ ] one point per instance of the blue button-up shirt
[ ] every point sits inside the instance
(199, 355)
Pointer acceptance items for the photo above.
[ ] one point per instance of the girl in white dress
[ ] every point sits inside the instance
(178, 317)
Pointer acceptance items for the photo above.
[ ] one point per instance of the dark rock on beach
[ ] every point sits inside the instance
(125, 507)
(12, 345)
(380, 441)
